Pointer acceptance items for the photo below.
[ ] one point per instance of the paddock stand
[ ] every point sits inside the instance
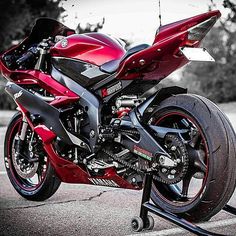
(145, 221)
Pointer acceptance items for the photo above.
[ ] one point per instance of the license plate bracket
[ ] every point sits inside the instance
(196, 54)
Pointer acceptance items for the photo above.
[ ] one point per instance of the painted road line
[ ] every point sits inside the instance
(3, 172)
(173, 231)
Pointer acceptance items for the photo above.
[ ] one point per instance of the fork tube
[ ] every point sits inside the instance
(23, 129)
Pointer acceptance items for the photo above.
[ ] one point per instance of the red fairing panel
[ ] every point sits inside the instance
(163, 57)
(70, 173)
(183, 25)
(95, 48)
(22, 77)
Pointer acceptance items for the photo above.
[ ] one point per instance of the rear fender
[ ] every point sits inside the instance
(145, 108)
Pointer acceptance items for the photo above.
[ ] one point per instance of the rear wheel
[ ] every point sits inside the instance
(27, 164)
(208, 180)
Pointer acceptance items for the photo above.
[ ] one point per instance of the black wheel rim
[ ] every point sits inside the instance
(190, 188)
(26, 184)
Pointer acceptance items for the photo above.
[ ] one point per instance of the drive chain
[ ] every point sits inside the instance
(127, 164)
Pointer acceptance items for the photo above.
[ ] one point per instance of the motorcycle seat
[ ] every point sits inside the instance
(112, 66)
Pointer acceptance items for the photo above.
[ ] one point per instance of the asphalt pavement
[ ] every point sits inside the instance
(86, 210)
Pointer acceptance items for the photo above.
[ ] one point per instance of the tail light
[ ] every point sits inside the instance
(198, 32)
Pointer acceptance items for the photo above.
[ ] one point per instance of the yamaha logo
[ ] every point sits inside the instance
(64, 43)
(17, 95)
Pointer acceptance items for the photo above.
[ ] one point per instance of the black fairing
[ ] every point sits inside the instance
(42, 29)
(36, 106)
(46, 27)
(81, 72)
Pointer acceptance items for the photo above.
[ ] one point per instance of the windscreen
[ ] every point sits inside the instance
(46, 27)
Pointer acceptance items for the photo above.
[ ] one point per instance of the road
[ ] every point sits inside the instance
(86, 210)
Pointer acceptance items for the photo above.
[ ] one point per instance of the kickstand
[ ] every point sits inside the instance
(145, 221)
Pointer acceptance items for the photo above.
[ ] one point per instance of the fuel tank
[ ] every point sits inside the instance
(94, 48)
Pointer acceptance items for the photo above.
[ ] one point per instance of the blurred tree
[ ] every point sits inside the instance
(90, 27)
(16, 20)
(217, 81)
(18, 16)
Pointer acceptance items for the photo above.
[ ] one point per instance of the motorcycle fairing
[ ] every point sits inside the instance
(81, 72)
(71, 173)
(42, 29)
(158, 96)
(154, 62)
(181, 26)
(164, 57)
(87, 99)
(48, 115)
(94, 48)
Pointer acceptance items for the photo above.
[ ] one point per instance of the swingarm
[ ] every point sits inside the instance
(141, 139)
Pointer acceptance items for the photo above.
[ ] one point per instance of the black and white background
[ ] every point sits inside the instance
(84, 210)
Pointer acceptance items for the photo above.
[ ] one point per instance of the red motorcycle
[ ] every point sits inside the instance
(91, 112)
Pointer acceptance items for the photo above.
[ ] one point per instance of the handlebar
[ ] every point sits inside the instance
(31, 53)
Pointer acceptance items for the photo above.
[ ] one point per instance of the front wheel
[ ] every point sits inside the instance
(208, 180)
(27, 164)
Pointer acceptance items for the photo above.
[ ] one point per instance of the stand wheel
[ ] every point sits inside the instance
(149, 223)
(137, 224)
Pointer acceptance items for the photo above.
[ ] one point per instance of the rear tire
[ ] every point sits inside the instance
(45, 187)
(219, 180)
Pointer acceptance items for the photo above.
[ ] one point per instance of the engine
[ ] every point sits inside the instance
(111, 153)
(74, 119)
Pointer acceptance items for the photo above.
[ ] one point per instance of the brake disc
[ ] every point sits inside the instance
(24, 169)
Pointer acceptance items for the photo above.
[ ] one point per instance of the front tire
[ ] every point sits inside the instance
(44, 183)
(217, 139)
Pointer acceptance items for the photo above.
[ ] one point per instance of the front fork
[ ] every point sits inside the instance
(24, 128)
(20, 143)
